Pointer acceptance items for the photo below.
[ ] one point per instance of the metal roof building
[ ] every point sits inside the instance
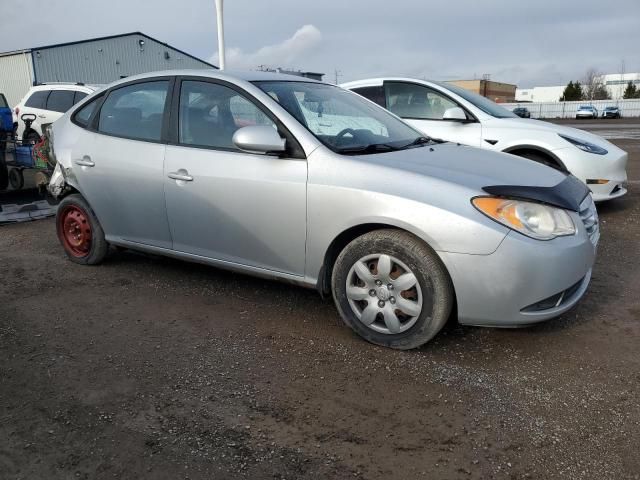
(93, 61)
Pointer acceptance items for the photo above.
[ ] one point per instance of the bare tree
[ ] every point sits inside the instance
(592, 86)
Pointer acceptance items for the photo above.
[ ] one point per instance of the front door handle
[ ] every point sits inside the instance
(85, 162)
(181, 175)
(42, 116)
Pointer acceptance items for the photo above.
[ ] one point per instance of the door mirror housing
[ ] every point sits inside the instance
(455, 114)
(259, 139)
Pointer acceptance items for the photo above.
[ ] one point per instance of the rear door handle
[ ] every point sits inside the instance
(85, 162)
(42, 116)
(181, 175)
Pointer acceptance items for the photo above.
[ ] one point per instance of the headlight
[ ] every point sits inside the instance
(534, 220)
(585, 146)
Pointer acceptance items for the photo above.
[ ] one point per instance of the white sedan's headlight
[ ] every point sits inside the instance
(585, 146)
(534, 220)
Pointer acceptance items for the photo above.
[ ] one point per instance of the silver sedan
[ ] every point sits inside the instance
(301, 181)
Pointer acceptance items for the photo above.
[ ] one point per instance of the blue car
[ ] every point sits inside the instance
(6, 119)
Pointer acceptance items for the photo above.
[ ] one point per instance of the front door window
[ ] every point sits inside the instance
(408, 100)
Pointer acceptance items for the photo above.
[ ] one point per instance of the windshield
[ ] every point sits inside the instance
(343, 121)
(484, 104)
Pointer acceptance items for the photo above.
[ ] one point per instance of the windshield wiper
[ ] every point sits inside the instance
(364, 149)
(418, 141)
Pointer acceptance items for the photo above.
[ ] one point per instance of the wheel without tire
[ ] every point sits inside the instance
(392, 289)
(80, 232)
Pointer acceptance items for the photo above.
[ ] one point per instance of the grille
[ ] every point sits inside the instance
(589, 217)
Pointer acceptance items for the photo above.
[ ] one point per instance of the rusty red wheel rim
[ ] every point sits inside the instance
(75, 230)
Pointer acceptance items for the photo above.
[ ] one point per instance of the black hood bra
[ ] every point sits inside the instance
(568, 194)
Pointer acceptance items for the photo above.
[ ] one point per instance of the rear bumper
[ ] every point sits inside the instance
(506, 288)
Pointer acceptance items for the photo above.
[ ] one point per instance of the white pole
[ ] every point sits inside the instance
(220, 34)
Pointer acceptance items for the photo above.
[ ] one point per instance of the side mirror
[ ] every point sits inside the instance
(455, 114)
(259, 139)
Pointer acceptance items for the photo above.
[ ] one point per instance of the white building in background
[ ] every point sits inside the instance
(615, 84)
(539, 94)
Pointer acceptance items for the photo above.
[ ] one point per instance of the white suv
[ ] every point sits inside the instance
(48, 102)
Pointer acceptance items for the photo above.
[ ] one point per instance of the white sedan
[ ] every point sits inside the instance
(454, 114)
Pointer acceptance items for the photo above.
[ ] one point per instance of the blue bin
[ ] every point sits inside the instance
(24, 156)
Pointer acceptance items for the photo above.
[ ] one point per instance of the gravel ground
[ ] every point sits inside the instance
(147, 367)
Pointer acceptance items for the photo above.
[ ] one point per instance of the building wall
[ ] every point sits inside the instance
(616, 83)
(496, 91)
(16, 76)
(106, 60)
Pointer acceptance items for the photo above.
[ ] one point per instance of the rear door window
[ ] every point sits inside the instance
(135, 111)
(37, 99)
(60, 100)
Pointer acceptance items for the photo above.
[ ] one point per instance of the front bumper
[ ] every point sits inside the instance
(505, 289)
(588, 167)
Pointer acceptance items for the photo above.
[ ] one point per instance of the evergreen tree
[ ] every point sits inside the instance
(631, 91)
(579, 91)
(572, 92)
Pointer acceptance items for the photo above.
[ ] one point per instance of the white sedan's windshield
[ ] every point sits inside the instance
(343, 121)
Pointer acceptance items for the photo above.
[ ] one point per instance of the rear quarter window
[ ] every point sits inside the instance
(83, 116)
(38, 99)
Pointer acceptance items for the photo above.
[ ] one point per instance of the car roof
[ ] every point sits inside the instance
(380, 80)
(64, 86)
(248, 76)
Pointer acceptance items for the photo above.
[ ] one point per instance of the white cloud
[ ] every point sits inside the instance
(284, 54)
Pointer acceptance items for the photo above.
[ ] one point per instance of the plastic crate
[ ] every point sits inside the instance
(24, 156)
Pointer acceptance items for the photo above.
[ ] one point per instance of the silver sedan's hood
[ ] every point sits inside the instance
(470, 167)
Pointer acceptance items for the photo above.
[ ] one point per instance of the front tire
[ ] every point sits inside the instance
(392, 289)
(79, 231)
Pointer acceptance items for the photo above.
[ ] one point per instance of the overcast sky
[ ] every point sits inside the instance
(543, 42)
